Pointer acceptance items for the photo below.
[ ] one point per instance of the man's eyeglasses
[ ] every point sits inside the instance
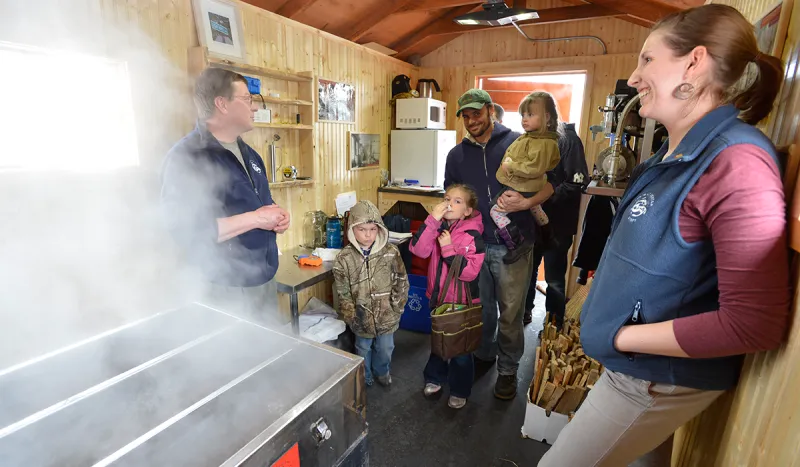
(247, 99)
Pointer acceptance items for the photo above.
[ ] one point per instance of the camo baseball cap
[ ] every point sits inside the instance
(473, 99)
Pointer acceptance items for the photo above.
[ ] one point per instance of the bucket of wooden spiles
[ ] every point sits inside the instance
(564, 373)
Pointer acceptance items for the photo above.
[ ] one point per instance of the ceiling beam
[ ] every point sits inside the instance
(407, 42)
(427, 5)
(293, 8)
(446, 27)
(358, 28)
(649, 11)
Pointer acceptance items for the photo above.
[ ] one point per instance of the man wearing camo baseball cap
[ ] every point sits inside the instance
(502, 286)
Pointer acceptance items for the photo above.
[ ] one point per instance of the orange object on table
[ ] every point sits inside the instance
(310, 260)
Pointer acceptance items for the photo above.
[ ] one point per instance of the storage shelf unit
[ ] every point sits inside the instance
(297, 92)
(285, 127)
(291, 184)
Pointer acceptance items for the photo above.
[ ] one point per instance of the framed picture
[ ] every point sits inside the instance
(336, 102)
(219, 28)
(771, 29)
(768, 30)
(365, 151)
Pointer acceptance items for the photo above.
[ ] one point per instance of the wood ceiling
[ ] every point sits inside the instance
(415, 28)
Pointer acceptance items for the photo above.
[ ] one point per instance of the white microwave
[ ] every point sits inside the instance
(421, 113)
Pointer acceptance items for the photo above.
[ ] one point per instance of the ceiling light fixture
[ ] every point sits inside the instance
(496, 13)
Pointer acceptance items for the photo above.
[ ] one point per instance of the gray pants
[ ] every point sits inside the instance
(257, 304)
(503, 288)
(624, 419)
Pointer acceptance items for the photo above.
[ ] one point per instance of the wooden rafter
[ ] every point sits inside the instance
(405, 43)
(426, 5)
(648, 11)
(293, 8)
(365, 23)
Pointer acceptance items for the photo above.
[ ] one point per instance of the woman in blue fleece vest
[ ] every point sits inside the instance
(695, 273)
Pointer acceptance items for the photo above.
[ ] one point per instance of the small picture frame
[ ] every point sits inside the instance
(364, 151)
(219, 28)
(336, 102)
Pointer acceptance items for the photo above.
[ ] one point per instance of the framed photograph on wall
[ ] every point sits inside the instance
(336, 102)
(219, 28)
(364, 151)
(771, 29)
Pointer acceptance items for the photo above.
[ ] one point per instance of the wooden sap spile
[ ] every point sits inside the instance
(564, 373)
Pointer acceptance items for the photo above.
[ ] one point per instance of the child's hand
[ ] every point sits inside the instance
(505, 165)
(440, 209)
(444, 238)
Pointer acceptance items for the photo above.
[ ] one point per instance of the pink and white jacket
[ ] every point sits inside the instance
(466, 240)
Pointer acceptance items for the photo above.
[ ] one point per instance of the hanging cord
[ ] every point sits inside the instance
(568, 38)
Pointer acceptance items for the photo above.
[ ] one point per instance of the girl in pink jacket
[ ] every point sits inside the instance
(453, 228)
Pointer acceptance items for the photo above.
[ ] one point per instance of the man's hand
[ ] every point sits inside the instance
(511, 201)
(270, 217)
(444, 238)
(283, 225)
(440, 209)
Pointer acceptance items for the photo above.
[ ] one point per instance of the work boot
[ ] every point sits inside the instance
(518, 246)
(506, 387)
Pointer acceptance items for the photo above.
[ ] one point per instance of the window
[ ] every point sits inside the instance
(567, 89)
(63, 111)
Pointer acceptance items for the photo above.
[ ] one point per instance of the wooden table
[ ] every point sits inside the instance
(292, 278)
(389, 196)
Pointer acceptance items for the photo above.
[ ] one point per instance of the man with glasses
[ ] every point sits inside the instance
(217, 202)
(502, 287)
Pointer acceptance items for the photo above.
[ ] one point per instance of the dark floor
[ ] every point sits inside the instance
(406, 429)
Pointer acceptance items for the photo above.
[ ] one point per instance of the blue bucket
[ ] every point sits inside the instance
(417, 314)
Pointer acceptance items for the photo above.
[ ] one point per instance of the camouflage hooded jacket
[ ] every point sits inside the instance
(373, 285)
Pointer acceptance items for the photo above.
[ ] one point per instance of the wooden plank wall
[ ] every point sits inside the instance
(756, 425)
(155, 35)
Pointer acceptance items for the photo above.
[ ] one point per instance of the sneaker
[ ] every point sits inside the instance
(385, 380)
(431, 389)
(506, 387)
(369, 382)
(456, 402)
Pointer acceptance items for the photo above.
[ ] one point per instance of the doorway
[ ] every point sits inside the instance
(568, 90)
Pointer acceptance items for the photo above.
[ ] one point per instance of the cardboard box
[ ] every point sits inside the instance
(541, 426)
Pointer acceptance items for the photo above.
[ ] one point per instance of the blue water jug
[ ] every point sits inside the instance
(334, 232)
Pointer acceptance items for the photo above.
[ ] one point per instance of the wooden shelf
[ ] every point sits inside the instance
(258, 71)
(273, 100)
(283, 127)
(598, 187)
(291, 184)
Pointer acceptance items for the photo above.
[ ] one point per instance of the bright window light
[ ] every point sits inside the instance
(63, 111)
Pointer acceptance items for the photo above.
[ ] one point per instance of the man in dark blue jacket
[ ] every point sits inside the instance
(563, 208)
(502, 286)
(217, 201)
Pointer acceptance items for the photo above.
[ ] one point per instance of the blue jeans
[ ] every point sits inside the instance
(377, 354)
(503, 288)
(458, 372)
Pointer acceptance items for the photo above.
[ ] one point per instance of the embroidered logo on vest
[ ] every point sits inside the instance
(640, 206)
(255, 167)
